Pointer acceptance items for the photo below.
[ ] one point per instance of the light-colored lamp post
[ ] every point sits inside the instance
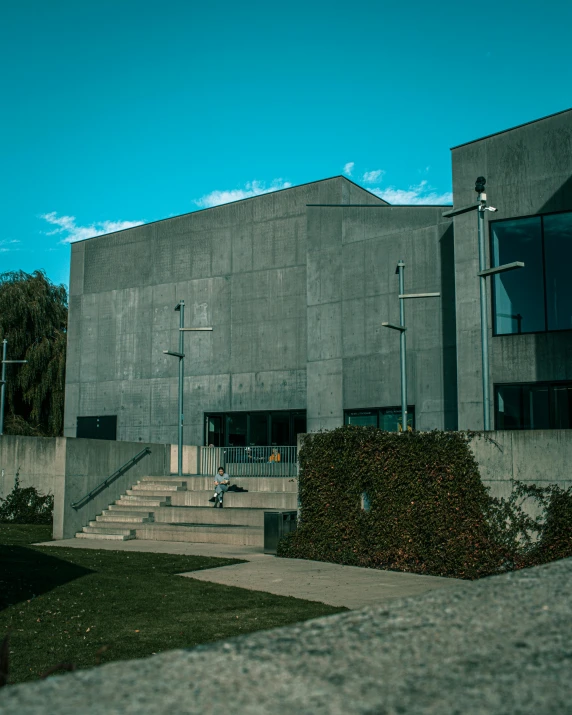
(180, 308)
(401, 328)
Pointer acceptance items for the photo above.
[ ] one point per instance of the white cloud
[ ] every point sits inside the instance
(252, 188)
(370, 177)
(420, 194)
(348, 168)
(7, 245)
(71, 232)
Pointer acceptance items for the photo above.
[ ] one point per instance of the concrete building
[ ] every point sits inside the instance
(296, 284)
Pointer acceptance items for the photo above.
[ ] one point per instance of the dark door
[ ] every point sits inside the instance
(97, 427)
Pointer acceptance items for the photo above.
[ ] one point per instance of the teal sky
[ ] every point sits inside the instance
(116, 113)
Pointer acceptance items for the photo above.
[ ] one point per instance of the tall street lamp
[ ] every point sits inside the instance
(180, 308)
(3, 381)
(401, 328)
(480, 207)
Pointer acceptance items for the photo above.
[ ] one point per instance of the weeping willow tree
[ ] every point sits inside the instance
(33, 318)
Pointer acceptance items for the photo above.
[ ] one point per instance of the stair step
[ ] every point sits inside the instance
(239, 500)
(170, 486)
(108, 530)
(108, 537)
(144, 502)
(158, 492)
(130, 509)
(173, 479)
(132, 518)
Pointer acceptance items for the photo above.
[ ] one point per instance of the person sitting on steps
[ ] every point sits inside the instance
(222, 480)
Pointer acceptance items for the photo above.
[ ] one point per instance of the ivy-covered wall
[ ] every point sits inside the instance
(411, 502)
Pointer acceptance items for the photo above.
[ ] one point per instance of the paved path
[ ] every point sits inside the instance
(333, 584)
(495, 647)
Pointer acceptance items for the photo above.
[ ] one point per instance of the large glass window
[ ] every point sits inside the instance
(254, 429)
(538, 297)
(386, 418)
(538, 405)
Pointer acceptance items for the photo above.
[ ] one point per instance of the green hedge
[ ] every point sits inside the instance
(426, 508)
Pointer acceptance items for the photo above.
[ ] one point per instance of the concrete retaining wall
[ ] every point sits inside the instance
(70, 468)
(539, 457)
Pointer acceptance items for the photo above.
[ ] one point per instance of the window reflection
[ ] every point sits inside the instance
(519, 295)
(558, 257)
(540, 405)
(538, 297)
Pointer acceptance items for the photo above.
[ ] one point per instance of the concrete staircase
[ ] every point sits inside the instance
(178, 509)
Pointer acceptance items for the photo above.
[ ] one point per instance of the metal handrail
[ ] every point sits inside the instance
(118, 472)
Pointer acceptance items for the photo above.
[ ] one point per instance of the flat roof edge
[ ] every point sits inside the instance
(504, 131)
(383, 206)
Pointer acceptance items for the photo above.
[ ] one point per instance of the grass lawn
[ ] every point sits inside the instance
(83, 606)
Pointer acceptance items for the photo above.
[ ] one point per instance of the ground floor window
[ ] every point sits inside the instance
(386, 418)
(249, 429)
(97, 427)
(534, 405)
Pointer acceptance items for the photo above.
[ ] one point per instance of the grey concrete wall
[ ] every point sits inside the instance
(241, 268)
(38, 462)
(90, 461)
(528, 171)
(540, 457)
(353, 362)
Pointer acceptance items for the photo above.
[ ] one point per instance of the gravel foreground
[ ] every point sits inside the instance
(501, 645)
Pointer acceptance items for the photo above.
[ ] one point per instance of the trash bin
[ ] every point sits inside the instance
(276, 525)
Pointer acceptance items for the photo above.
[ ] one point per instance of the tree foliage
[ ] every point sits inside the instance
(33, 318)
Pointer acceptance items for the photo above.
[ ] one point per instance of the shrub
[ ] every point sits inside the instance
(26, 506)
(414, 502)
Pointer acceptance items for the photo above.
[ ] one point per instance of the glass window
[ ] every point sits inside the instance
(386, 418)
(236, 429)
(362, 418)
(540, 405)
(562, 406)
(509, 408)
(536, 406)
(558, 259)
(390, 418)
(254, 429)
(214, 431)
(298, 424)
(258, 429)
(280, 428)
(519, 294)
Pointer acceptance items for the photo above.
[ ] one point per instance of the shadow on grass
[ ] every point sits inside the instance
(27, 573)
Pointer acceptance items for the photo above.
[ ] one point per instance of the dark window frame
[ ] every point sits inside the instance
(378, 410)
(493, 294)
(550, 384)
(291, 415)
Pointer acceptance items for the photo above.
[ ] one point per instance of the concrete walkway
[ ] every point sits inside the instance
(333, 584)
